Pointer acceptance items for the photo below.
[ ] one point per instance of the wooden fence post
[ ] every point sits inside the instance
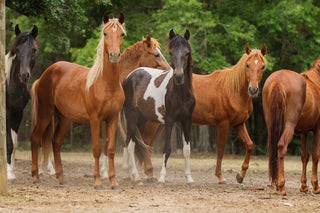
(3, 146)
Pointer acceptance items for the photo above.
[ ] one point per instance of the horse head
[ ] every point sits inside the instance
(152, 56)
(113, 33)
(255, 66)
(24, 51)
(180, 54)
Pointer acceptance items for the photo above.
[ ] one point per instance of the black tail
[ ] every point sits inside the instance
(277, 113)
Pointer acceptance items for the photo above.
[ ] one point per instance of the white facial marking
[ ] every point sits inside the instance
(114, 28)
(157, 93)
(256, 61)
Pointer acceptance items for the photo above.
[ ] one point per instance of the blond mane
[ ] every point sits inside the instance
(97, 67)
(233, 79)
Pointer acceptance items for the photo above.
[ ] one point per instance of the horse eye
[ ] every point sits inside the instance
(105, 34)
(122, 34)
(170, 53)
(157, 55)
(263, 67)
(248, 66)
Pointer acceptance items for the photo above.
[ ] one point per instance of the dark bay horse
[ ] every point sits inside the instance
(69, 92)
(291, 105)
(223, 98)
(160, 96)
(19, 64)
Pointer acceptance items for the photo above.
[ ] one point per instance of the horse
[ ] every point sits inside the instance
(290, 105)
(224, 99)
(20, 61)
(145, 53)
(68, 92)
(163, 96)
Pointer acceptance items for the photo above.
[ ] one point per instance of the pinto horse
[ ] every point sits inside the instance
(291, 105)
(223, 98)
(69, 92)
(145, 53)
(160, 96)
(19, 64)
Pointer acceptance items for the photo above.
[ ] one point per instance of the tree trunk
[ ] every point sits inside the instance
(3, 148)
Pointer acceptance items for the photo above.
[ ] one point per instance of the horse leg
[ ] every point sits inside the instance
(186, 137)
(10, 145)
(242, 132)
(315, 159)
(166, 150)
(111, 134)
(150, 134)
(104, 166)
(222, 132)
(95, 133)
(304, 158)
(63, 127)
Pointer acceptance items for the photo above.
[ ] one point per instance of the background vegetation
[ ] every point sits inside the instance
(68, 30)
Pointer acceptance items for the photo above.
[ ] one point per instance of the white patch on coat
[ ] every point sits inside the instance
(157, 93)
(163, 171)
(10, 174)
(104, 167)
(256, 61)
(14, 137)
(186, 154)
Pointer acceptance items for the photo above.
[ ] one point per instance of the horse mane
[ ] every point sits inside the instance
(232, 79)
(97, 67)
(313, 74)
(134, 49)
(180, 39)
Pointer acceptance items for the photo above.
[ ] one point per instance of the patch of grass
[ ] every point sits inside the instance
(14, 198)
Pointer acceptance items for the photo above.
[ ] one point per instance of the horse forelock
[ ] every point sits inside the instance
(23, 37)
(232, 79)
(97, 67)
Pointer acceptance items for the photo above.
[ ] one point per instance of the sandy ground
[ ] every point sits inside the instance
(205, 195)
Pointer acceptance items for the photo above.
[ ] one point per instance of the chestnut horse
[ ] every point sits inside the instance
(223, 98)
(162, 96)
(291, 105)
(70, 92)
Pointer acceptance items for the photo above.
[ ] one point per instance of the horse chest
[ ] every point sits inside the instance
(17, 97)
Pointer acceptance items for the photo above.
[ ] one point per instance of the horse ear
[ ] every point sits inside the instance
(121, 18)
(34, 31)
(264, 49)
(171, 34)
(17, 30)
(248, 50)
(105, 17)
(187, 34)
(148, 40)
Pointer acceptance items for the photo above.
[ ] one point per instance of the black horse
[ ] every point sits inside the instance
(160, 96)
(19, 63)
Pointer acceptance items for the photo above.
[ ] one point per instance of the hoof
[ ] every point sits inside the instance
(222, 182)
(239, 178)
(151, 180)
(138, 183)
(63, 183)
(160, 184)
(316, 191)
(36, 181)
(303, 188)
(98, 187)
(116, 187)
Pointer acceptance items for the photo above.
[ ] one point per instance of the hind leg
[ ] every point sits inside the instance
(63, 127)
(186, 138)
(222, 132)
(315, 159)
(242, 132)
(304, 158)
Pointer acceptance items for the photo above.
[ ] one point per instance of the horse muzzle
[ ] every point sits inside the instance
(178, 79)
(253, 91)
(114, 57)
(24, 76)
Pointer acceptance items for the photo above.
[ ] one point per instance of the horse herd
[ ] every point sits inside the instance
(146, 95)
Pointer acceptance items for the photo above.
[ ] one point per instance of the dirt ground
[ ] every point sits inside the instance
(205, 195)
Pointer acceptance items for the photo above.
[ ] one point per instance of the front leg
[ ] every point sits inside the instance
(95, 132)
(186, 137)
(166, 150)
(242, 132)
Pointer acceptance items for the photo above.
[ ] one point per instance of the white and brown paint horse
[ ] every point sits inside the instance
(160, 96)
(19, 64)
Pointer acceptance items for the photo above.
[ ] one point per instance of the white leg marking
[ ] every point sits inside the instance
(186, 154)
(10, 174)
(40, 162)
(134, 171)
(125, 163)
(163, 171)
(14, 137)
(50, 167)
(104, 167)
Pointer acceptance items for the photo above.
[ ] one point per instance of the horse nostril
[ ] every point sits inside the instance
(118, 54)
(110, 54)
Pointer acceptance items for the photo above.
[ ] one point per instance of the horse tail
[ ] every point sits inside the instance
(277, 114)
(140, 148)
(46, 141)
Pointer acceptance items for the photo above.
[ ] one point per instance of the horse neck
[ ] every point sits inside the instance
(14, 72)
(110, 73)
(130, 59)
(313, 75)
